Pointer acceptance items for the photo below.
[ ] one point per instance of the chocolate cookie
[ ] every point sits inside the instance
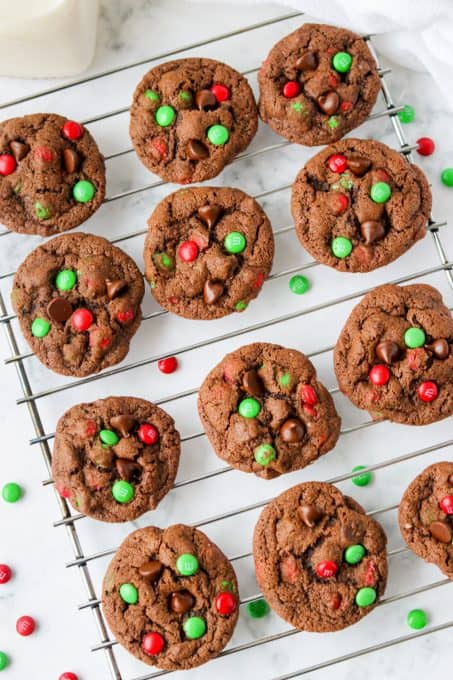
(358, 205)
(115, 458)
(77, 299)
(317, 83)
(208, 251)
(265, 412)
(52, 175)
(190, 117)
(170, 597)
(426, 516)
(394, 355)
(320, 561)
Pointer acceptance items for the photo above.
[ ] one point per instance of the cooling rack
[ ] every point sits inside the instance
(39, 401)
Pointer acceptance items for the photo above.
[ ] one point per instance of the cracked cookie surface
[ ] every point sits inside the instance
(55, 175)
(184, 604)
(317, 84)
(208, 251)
(320, 561)
(190, 117)
(338, 221)
(116, 458)
(426, 516)
(264, 411)
(77, 298)
(394, 356)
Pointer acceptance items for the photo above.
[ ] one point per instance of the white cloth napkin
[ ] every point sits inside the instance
(417, 34)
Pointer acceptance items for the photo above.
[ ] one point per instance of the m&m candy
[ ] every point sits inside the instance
(291, 89)
(341, 247)
(40, 327)
(407, 114)
(5, 573)
(7, 164)
(83, 191)
(221, 92)
(25, 625)
(122, 491)
(342, 62)
(249, 407)
(167, 365)
(66, 279)
(354, 554)
(165, 115)
(379, 374)
(129, 593)
(380, 192)
(153, 643)
(446, 177)
(414, 337)
(194, 627)
(187, 564)
(148, 434)
(363, 479)
(188, 251)
(108, 437)
(68, 676)
(427, 391)
(337, 163)
(72, 130)
(264, 454)
(218, 135)
(11, 492)
(82, 319)
(446, 505)
(299, 284)
(258, 608)
(365, 597)
(417, 619)
(225, 603)
(425, 146)
(4, 661)
(234, 242)
(326, 569)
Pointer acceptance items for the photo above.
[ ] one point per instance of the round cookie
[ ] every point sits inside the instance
(426, 516)
(190, 118)
(208, 251)
(264, 410)
(182, 599)
(77, 298)
(317, 84)
(116, 458)
(358, 205)
(320, 561)
(52, 175)
(394, 356)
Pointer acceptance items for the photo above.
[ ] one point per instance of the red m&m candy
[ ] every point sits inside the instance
(82, 319)
(68, 676)
(148, 434)
(72, 130)
(338, 203)
(188, 251)
(5, 573)
(221, 92)
(425, 146)
(225, 603)
(125, 317)
(291, 89)
(427, 391)
(7, 164)
(308, 395)
(337, 162)
(326, 568)
(167, 365)
(346, 106)
(25, 625)
(379, 375)
(153, 643)
(43, 153)
(446, 505)
(333, 80)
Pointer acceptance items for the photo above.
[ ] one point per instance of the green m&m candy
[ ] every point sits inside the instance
(264, 454)
(151, 95)
(129, 593)
(258, 608)
(380, 192)
(83, 191)
(194, 627)
(363, 479)
(407, 115)
(122, 491)
(285, 379)
(40, 327)
(341, 247)
(4, 661)
(187, 564)
(249, 407)
(11, 492)
(41, 212)
(185, 97)
(108, 437)
(417, 619)
(354, 554)
(218, 135)
(299, 284)
(414, 337)
(65, 279)
(240, 306)
(446, 177)
(234, 242)
(333, 122)
(365, 596)
(165, 115)
(342, 62)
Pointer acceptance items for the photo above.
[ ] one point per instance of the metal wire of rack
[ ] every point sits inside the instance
(42, 438)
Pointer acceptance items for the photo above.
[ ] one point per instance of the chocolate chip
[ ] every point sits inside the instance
(440, 348)
(127, 469)
(440, 531)
(310, 515)
(329, 103)
(212, 291)
(124, 424)
(307, 62)
(71, 160)
(388, 351)
(181, 602)
(292, 431)
(372, 231)
(196, 150)
(358, 165)
(59, 309)
(19, 149)
(252, 383)
(209, 214)
(150, 570)
(335, 601)
(204, 100)
(115, 287)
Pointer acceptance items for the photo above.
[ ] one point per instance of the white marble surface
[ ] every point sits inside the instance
(41, 586)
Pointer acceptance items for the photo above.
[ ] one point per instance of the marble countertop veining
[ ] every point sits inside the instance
(130, 31)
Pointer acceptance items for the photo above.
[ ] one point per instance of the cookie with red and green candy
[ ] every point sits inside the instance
(170, 597)
(394, 356)
(77, 298)
(358, 205)
(208, 251)
(317, 84)
(52, 174)
(264, 410)
(116, 458)
(320, 561)
(426, 516)
(190, 117)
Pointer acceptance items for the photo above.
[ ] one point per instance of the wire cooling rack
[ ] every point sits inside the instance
(26, 369)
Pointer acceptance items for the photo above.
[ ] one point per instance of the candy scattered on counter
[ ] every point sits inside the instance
(425, 146)
(361, 480)
(299, 284)
(4, 661)
(447, 177)
(167, 365)
(258, 608)
(5, 573)
(25, 625)
(11, 492)
(407, 115)
(417, 619)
